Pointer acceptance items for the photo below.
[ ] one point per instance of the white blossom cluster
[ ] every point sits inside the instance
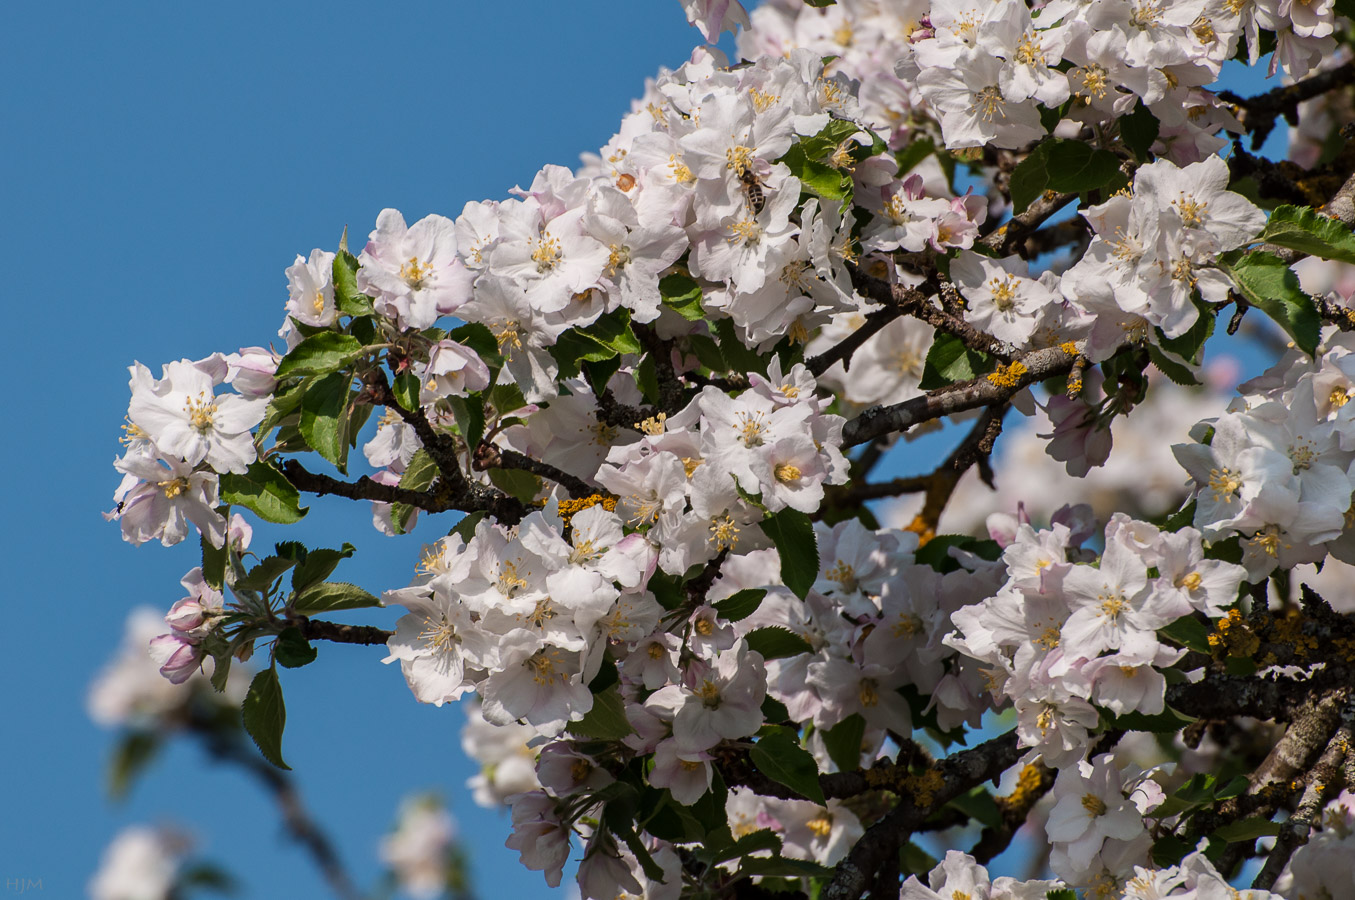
(986, 71)
(1063, 637)
(1275, 470)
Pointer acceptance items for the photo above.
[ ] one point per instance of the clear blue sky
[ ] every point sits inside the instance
(164, 163)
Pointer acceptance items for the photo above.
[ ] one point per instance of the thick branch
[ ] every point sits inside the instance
(1258, 114)
(985, 391)
(487, 456)
(1325, 776)
(319, 630)
(1007, 238)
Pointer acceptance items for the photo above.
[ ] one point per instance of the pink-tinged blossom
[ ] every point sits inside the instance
(158, 498)
(453, 370)
(712, 17)
(539, 834)
(435, 641)
(414, 272)
(417, 851)
(687, 774)
(178, 657)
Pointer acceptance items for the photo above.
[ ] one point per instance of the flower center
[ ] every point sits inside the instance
(201, 412)
(414, 273)
(1094, 804)
(786, 473)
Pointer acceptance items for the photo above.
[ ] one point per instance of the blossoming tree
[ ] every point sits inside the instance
(634, 411)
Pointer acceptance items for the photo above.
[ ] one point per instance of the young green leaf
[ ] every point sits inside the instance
(793, 534)
(606, 721)
(740, 605)
(1308, 231)
(265, 491)
(1269, 284)
(265, 716)
(320, 411)
(320, 354)
(775, 642)
(331, 595)
(780, 757)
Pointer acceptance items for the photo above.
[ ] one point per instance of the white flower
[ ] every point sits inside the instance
(414, 272)
(183, 416)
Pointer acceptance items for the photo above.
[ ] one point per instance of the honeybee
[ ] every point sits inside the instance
(752, 188)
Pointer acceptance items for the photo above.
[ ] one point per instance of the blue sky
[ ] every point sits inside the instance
(165, 162)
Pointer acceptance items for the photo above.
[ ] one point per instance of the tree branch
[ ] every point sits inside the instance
(1258, 114)
(320, 630)
(488, 456)
(1006, 238)
(506, 509)
(997, 387)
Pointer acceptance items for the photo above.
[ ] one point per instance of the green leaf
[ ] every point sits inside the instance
(1030, 178)
(682, 295)
(979, 805)
(292, 650)
(914, 153)
(666, 589)
(1246, 829)
(780, 757)
(349, 300)
(815, 177)
(613, 332)
(1061, 894)
(1062, 165)
(282, 405)
(317, 565)
(1169, 850)
(775, 642)
(1269, 284)
(418, 475)
(264, 491)
(1189, 632)
(1139, 130)
(479, 338)
(320, 354)
(1169, 721)
(264, 573)
(950, 361)
(793, 533)
(843, 742)
(773, 866)
(606, 721)
(1075, 167)
(214, 563)
(820, 4)
(1235, 788)
(1308, 231)
(466, 527)
(913, 860)
(265, 716)
(829, 137)
(406, 390)
(470, 418)
(753, 842)
(707, 352)
(320, 411)
(331, 595)
(740, 605)
(130, 758)
(516, 483)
